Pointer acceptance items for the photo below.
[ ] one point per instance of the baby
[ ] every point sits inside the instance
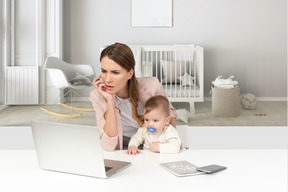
(158, 135)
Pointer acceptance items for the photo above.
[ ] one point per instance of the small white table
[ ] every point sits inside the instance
(247, 170)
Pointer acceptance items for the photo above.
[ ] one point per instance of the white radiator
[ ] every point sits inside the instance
(22, 85)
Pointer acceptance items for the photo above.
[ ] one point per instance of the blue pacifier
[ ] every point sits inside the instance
(151, 130)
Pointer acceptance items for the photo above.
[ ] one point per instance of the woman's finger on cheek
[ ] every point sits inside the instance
(97, 83)
(96, 79)
(102, 86)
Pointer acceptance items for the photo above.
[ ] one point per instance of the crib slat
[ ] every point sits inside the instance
(168, 62)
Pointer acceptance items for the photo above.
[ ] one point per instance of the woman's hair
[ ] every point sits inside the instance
(123, 55)
(156, 102)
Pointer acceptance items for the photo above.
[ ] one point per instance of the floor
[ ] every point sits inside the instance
(275, 115)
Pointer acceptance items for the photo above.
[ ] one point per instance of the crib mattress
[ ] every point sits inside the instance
(180, 91)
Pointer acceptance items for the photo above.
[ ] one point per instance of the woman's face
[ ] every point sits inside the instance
(115, 77)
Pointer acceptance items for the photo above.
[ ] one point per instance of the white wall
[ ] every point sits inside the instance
(245, 38)
(25, 33)
(1, 54)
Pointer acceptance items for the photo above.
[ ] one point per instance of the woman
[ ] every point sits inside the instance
(119, 97)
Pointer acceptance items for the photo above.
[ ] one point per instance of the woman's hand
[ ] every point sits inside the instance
(132, 150)
(101, 87)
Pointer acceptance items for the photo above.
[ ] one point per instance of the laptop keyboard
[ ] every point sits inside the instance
(107, 168)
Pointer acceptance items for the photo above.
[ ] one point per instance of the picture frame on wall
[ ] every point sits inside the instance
(151, 13)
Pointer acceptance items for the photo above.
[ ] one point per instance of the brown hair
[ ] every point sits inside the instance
(156, 102)
(123, 55)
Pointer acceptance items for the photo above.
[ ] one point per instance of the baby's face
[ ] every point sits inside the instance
(156, 118)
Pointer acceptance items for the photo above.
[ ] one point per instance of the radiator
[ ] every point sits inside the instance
(22, 85)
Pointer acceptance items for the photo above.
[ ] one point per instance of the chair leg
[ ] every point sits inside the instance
(192, 108)
(60, 99)
(70, 106)
(68, 115)
(76, 108)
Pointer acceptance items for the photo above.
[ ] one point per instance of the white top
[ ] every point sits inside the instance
(247, 170)
(168, 139)
(128, 123)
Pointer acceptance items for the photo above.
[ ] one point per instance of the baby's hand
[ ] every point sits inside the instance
(154, 147)
(132, 150)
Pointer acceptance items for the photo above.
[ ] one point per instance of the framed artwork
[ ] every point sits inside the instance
(151, 13)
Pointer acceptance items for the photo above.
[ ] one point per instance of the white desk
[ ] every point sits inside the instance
(248, 170)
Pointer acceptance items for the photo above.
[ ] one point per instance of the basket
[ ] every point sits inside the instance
(226, 102)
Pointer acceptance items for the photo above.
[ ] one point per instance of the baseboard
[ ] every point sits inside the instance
(3, 107)
(209, 99)
(205, 99)
(271, 98)
(259, 98)
(77, 99)
(81, 98)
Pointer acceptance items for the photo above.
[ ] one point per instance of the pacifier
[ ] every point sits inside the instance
(151, 130)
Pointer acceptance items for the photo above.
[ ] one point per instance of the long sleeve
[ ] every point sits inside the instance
(170, 141)
(99, 104)
(138, 138)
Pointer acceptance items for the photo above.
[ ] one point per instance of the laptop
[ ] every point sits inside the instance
(71, 148)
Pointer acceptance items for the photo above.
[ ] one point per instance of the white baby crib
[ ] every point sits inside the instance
(178, 67)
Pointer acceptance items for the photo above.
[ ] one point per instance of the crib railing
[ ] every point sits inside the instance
(179, 68)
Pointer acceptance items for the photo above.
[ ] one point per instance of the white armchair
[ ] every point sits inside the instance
(68, 76)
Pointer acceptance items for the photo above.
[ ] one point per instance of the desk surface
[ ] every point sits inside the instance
(247, 170)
